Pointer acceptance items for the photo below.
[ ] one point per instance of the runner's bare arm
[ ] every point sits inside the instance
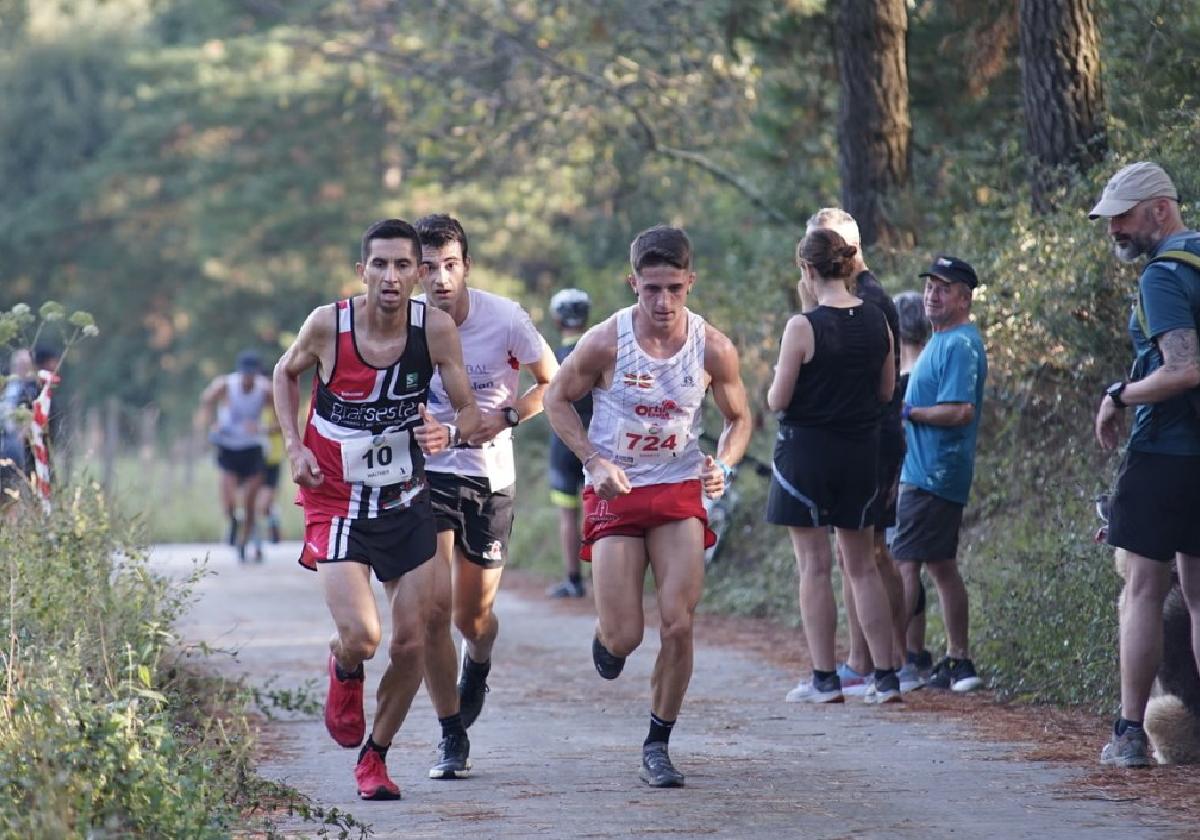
(313, 347)
(532, 401)
(585, 369)
(795, 349)
(212, 395)
(887, 375)
(729, 393)
(445, 351)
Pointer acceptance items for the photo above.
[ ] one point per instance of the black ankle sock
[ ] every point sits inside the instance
(823, 675)
(452, 725)
(881, 673)
(575, 578)
(371, 745)
(343, 674)
(476, 669)
(660, 730)
(1123, 724)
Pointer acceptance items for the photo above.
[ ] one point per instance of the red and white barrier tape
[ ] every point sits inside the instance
(38, 438)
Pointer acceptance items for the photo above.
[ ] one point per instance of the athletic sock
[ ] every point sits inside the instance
(452, 725)
(575, 578)
(882, 673)
(1124, 724)
(823, 675)
(660, 730)
(476, 669)
(371, 745)
(343, 674)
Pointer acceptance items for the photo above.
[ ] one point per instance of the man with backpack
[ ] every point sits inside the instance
(1153, 516)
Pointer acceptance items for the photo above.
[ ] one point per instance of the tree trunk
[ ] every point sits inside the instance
(874, 130)
(1061, 92)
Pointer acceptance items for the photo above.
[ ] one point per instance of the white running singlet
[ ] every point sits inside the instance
(648, 421)
(239, 417)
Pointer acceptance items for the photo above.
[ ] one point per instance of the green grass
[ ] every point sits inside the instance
(169, 508)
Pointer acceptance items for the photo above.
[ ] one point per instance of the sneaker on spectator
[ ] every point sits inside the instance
(1129, 749)
(885, 690)
(923, 662)
(853, 683)
(956, 675)
(827, 690)
(910, 678)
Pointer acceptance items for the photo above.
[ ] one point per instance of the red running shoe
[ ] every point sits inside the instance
(372, 777)
(344, 707)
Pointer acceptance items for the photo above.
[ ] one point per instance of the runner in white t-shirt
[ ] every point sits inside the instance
(472, 484)
(648, 368)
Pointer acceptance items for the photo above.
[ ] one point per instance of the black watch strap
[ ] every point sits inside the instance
(511, 417)
(1114, 392)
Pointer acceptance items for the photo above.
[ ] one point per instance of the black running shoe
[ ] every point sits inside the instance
(454, 760)
(657, 769)
(472, 688)
(956, 675)
(607, 665)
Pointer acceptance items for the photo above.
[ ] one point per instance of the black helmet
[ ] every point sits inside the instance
(570, 307)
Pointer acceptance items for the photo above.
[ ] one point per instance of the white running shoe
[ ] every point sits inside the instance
(828, 690)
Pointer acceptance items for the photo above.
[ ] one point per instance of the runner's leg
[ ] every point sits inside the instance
(408, 598)
(568, 538)
(351, 603)
(894, 587)
(250, 505)
(441, 660)
(818, 612)
(1189, 585)
(676, 551)
(618, 578)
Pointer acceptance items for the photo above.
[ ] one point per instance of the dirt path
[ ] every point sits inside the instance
(556, 749)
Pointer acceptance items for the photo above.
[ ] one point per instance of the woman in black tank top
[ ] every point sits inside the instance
(836, 368)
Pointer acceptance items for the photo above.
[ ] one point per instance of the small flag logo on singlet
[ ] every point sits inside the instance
(639, 380)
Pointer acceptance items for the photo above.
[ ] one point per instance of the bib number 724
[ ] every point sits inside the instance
(650, 442)
(635, 442)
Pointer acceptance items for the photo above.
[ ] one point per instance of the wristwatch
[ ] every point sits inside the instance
(1114, 392)
(511, 418)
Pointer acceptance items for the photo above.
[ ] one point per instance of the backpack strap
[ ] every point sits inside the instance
(1185, 257)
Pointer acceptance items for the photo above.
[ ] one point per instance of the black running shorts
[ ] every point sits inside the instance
(392, 545)
(927, 527)
(1155, 509)
(480, 519)
(243, 463)
(270, 474)
(821, 478)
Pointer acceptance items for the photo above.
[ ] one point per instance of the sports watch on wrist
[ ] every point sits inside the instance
(511, 417)
(1114, 392)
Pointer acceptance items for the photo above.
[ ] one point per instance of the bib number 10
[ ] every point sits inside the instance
(378, 461)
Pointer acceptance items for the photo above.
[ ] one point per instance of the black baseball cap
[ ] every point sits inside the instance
(952, 270)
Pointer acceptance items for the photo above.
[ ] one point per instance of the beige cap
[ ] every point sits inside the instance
(1135, 182)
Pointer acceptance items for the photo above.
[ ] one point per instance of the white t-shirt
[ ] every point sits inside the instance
(497, 337)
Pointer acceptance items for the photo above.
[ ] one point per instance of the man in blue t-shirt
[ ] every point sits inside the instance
(942, 407)
(1155, 510)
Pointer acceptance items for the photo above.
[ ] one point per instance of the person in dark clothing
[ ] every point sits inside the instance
(855, 672)
(836, 368)
(570, 309)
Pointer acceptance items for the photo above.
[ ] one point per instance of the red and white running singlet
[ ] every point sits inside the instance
(360, 426)
(648, 421)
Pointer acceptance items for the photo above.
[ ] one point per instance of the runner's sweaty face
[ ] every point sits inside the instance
(662, 292)
(445, 280)
(390, 273)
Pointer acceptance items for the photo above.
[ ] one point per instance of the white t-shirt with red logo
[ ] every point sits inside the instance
(497, 337)
(648, 421)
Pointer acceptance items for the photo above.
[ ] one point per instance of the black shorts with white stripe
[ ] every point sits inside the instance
(392, 545)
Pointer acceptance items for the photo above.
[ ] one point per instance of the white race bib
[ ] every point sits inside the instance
(378, 461)
(498, 463)
(650, 443)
